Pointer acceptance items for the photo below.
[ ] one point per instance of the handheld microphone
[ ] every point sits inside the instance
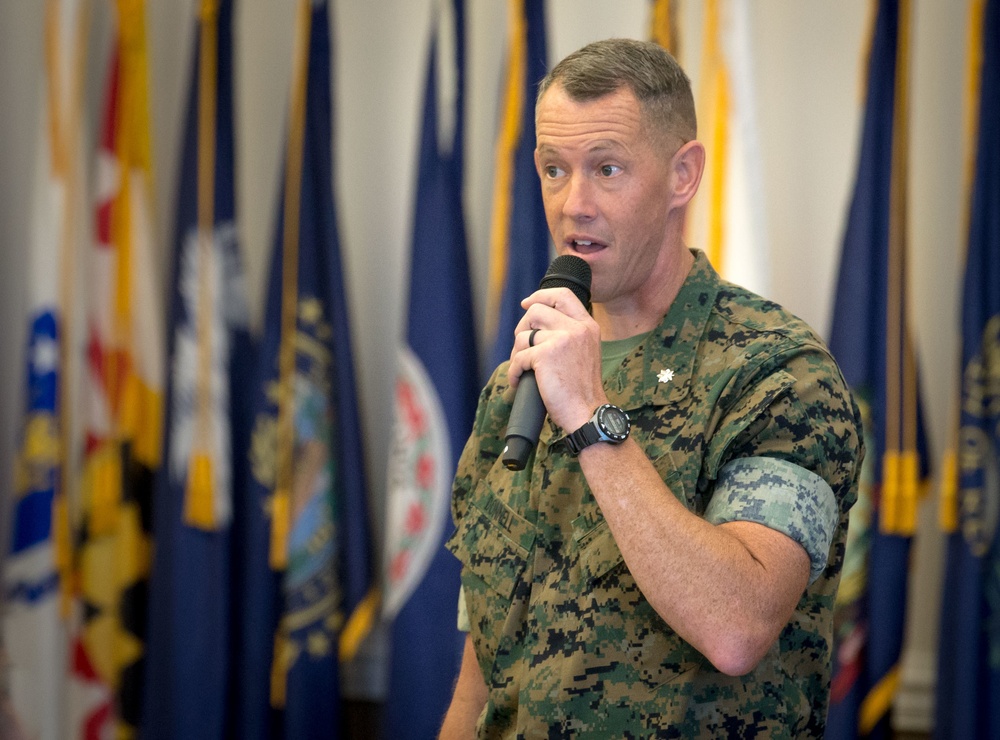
(528, 411)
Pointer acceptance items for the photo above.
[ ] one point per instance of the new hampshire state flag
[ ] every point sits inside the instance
(306, 583)
(968, 684)
(437, 386)
(519, 235)
(188, 650)
(870, 339)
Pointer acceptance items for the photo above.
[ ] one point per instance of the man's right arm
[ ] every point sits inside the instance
(468, 700)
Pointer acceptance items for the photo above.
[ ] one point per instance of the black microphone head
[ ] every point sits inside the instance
(569, 271)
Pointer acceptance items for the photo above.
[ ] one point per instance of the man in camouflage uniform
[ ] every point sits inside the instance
(679, 583)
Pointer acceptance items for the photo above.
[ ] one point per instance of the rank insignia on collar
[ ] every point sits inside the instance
(665, 375)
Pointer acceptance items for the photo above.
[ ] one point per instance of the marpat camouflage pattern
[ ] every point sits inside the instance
(567, 644)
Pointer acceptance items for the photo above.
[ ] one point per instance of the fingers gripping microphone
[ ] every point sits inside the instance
(528, 411)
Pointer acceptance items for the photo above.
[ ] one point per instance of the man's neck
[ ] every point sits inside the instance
(621, 322)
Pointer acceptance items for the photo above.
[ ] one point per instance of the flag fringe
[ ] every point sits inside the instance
(359, 625)
(878, 701)
(199, 507)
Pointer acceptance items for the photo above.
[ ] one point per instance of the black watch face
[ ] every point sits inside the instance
(615, 422)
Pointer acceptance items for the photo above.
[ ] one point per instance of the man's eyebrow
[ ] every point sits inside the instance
(601, 145)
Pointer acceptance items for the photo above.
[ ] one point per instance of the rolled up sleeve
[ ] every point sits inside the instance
(782, 496)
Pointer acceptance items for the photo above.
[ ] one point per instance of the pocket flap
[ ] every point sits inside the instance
(486, 551)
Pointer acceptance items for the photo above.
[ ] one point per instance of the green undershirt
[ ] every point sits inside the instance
(614, 351)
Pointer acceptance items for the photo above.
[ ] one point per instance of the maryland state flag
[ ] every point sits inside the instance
(189, 652)
(307, 584)
(726, 219)
(968, 684)
(871, 341)
(123, 387)
(35, 577)
(519, 235)
(437, 386)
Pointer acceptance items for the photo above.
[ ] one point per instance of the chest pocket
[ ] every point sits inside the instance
(493, 542)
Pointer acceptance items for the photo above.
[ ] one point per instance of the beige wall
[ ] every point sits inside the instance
(807, 55)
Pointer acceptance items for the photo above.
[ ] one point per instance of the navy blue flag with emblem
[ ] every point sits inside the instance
(308, 559)
(871, 341)
(437, 386)
(188, 652)
(519, 238)
(968, 684)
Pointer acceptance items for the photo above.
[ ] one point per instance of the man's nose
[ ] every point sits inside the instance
(579, 204)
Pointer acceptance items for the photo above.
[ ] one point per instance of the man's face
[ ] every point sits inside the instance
(606, 190)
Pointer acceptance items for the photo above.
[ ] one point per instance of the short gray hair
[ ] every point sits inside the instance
(655, 78)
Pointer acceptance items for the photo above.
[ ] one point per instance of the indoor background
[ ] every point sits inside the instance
(809, 78)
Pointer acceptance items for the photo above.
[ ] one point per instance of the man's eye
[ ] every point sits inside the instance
(608, 170)
(552, 171)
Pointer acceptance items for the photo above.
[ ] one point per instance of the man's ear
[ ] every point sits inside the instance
(687, 167)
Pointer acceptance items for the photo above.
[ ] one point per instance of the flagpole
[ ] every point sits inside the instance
(716, 100)
(910, 468)
(199, 510)
(948, 513)
(289, 290)
(64, 136)
(663, 26)
(281, 503)
(901, 468)
(504, 178)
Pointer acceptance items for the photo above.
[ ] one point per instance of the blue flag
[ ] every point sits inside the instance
(436, 390)
(307, 580)
(870, 340)
(190, 600)
(519, 241)
(33, 644)
(968, 684)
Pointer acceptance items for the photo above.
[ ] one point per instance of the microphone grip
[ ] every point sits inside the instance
(525, 424)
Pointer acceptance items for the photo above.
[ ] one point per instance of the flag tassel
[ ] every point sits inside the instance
(199, 507)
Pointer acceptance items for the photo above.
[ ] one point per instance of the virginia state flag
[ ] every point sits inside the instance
(35, 631)
(437, 386)
(308, 584)
(123, 385)
(188, 649)
(519, 235)
(871, 341)
(968, 683)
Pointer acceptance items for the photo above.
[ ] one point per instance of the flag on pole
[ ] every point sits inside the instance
(123, 387)
(870, 339)
(519, 235)
(437, 386)
(726, 219)
(968, 683)
(36, 582)
(310, 599)
(188, 651)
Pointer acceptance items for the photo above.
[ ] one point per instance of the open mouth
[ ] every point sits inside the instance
(585, 246)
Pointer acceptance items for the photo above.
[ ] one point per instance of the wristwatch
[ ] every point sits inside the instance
(608, 424)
